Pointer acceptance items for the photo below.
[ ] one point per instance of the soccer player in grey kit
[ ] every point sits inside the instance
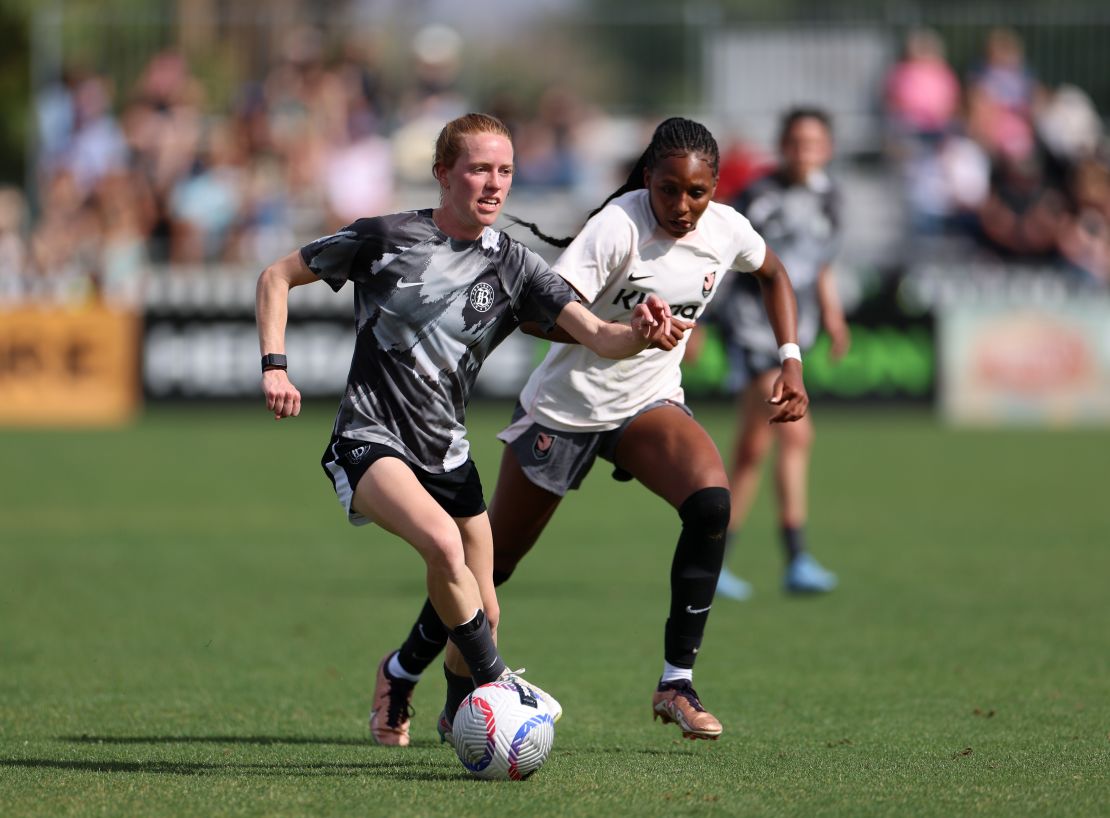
(435, 292)
(797, 209)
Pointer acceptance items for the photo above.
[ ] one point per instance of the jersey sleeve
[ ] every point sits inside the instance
(749, 248)
(544, 293)
(333, 258)
(602, 247)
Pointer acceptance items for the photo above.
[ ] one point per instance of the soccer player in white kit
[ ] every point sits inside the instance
(659, 235)
(435, 291)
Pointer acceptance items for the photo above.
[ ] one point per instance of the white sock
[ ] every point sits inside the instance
(675, 674)
(398, 672)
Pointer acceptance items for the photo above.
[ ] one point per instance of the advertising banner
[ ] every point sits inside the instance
(200, 342)
(887, 362)
(72, 367)
(1047, 364)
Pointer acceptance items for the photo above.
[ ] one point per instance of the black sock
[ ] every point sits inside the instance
(474, 639)
(694, 571)
(426, 639)
(458, 688)
(793, 542)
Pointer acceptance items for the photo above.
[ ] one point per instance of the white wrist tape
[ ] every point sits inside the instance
(790, 351)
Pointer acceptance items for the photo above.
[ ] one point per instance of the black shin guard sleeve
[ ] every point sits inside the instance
(458, 688)
(694, 571)
(474, 639)
(425, 641)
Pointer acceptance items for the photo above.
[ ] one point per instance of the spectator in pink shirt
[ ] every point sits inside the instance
(922, 90)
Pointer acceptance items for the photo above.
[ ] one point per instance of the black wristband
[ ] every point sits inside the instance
(274, 361)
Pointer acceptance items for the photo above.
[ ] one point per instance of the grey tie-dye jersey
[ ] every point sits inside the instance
(429, 309)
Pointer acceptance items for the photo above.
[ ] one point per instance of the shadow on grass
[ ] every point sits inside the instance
(258, 741)
(261, 741)
(408, 771)
(676, 748)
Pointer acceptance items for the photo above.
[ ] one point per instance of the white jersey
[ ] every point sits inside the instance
(621, 257)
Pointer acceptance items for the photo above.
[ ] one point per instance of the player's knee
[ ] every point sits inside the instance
(505, 561)
(751, 450)
(797, 436)
(443, 552)
(501, 573)
(707, 510)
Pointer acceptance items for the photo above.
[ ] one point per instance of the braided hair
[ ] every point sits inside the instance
(674, 137)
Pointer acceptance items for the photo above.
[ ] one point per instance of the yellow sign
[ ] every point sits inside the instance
(68, 367)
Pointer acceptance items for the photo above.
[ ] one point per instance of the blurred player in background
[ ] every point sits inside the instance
(661, 235)
(435, 292)
(796, 209)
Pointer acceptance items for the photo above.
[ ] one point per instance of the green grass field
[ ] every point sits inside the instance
(189, 627)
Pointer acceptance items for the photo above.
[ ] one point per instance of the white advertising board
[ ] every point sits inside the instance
(1046, 364)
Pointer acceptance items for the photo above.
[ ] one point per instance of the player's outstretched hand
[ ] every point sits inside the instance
(679, 327)
(652, 319)
(789, 394)
(282, 398)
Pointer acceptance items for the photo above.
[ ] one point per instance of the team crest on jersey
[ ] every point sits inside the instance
(542, 445)
(707, 284)
(481, 296)
(356, 454)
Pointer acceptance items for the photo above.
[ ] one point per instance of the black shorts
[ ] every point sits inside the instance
(345, 461)
(745, 364)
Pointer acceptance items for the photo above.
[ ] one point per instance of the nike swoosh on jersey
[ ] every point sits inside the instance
(637, 278)
(691, 610)
(409, 283)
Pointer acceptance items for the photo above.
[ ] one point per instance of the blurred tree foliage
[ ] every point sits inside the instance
(17, 21)
(15, 90)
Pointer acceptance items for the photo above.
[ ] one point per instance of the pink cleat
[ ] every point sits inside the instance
(392, 708)
(678, 702)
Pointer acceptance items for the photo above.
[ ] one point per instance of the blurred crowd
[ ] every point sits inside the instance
(158, 174)
(163, 176)
(996, 165)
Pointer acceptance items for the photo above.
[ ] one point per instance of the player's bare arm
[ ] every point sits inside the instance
(832, 315)
(272, 314)
(789, 391)
(650, 322)
(558, 335)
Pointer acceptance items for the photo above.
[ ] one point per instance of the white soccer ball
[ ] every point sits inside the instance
(503, 731)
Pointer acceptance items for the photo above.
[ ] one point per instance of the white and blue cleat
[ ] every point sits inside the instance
(731, 586)
(805, 575)
(443, 727)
